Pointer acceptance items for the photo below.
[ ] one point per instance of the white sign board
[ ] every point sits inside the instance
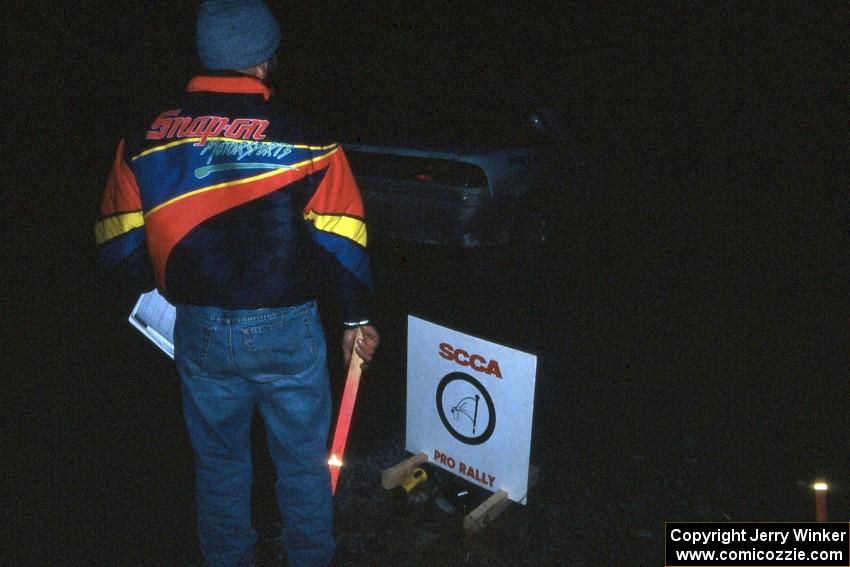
(469, 406)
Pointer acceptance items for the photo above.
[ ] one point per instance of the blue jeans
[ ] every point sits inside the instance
(275, 359)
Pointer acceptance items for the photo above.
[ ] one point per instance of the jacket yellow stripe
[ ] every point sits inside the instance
(221, 139)
(165, 147)
(111, 227)
(351, 228)
(240, 181)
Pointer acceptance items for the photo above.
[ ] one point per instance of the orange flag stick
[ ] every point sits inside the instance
(346, 409)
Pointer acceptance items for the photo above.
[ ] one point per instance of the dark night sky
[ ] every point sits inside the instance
(716, 110)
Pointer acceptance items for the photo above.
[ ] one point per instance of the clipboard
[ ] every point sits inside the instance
(154, 317)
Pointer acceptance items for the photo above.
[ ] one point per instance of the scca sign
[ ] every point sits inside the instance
(470, 404)
(474, 361)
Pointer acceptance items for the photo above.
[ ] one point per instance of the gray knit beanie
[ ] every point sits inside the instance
(235, 34)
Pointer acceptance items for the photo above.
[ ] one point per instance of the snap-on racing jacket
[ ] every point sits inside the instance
(228, 202)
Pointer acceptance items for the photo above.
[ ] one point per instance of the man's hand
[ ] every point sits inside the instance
(365, 347)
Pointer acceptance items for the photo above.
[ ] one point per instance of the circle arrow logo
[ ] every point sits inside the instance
(466, 408)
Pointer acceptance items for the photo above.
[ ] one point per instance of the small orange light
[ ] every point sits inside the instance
(334, 461)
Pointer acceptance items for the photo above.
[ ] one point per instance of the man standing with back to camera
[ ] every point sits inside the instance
(239, 217)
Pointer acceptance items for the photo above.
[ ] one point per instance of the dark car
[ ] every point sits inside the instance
(468, 177)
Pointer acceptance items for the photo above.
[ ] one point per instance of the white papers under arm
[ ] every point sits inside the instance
(154, 317)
